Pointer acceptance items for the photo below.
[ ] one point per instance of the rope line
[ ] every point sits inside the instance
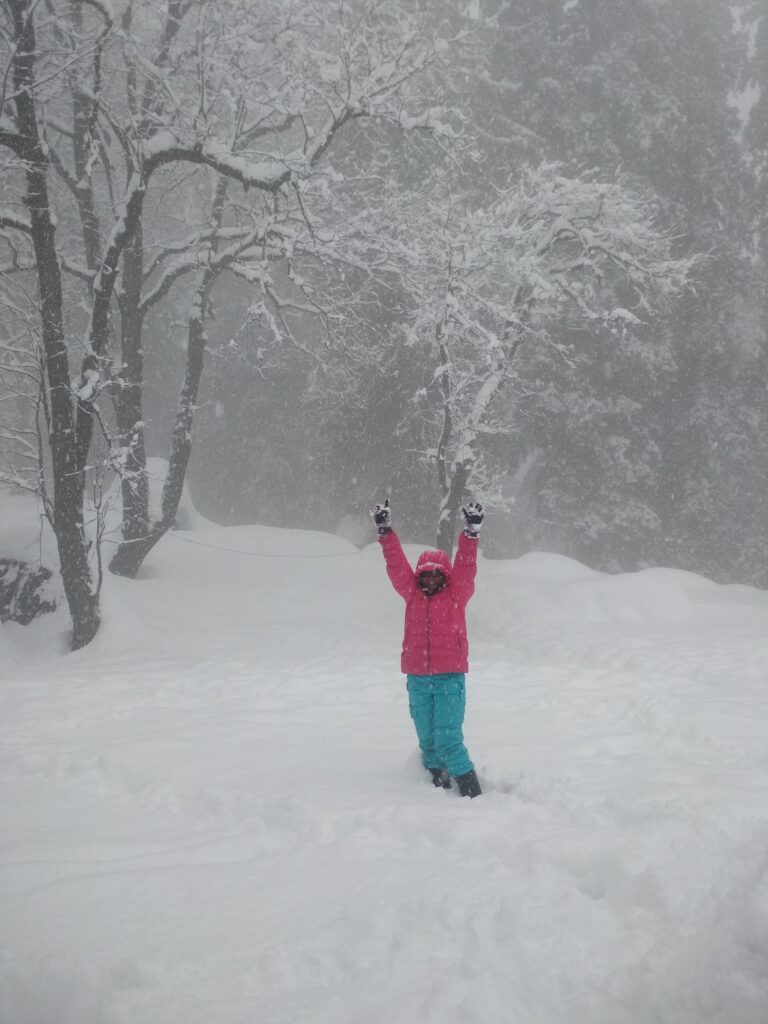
(257, 554)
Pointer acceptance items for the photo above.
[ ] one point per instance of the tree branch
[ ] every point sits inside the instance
(166, 282)
(12, 220)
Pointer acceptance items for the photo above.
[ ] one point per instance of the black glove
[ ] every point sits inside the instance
(382, 516)
(473, 517)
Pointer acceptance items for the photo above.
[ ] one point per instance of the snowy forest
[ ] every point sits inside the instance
(313, 253)
(383, 512)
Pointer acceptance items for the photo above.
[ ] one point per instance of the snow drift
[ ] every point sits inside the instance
(216, 812)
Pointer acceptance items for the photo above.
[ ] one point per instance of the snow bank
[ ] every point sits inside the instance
(7, 652)
(26, 536)
(215, 812)
(24, 531)
(547, 587)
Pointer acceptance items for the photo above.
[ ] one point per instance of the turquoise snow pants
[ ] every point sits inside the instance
(437, 709)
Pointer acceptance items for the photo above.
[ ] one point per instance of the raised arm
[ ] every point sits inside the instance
(465, 562)
(464, 568)
(398, 567)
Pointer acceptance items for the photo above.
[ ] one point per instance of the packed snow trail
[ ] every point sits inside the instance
(216, 814)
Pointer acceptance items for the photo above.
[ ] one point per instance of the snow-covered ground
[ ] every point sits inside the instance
(215, 813)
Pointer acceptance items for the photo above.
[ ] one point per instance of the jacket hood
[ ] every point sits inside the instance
(434, 560)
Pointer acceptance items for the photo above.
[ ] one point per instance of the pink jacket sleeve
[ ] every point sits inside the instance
(398, 567)
(464, 569)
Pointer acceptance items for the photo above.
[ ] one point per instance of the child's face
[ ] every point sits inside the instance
(431, 580)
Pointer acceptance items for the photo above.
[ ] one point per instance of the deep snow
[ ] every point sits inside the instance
(215, 813)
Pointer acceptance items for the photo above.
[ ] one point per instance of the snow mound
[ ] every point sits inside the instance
(24, 530)
(546, 566)
(7, 653)
(214, 814)
(275, 542)
(547, 587)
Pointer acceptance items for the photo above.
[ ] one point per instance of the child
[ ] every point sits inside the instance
(435, 644)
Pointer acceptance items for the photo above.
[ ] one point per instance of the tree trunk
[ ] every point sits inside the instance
(67, 481)
(133, 551)
(181, 440)
(127, 396)
(451, 504)
(130, 555)
(83, 123)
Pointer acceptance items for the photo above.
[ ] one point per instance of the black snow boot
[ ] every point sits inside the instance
(468, 784)
(440, 778)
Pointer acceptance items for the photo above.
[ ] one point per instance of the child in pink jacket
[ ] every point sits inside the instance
(435, 645)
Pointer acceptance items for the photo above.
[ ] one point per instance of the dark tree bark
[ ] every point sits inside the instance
(132, 552)
(450, 507)
(67, 480)
(142, 536)
(127, 394)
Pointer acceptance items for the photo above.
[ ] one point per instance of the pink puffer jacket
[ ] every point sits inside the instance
(435, 639)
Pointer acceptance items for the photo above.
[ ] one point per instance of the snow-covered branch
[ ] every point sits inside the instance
(9, 219)
(166, 281)
(166, 148)
(483, 281)
(78, 270)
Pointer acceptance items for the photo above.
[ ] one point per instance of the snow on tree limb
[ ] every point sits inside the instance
(483, 281)
(9, 219)
(77, 269)
(253, 91)
(268, 175)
